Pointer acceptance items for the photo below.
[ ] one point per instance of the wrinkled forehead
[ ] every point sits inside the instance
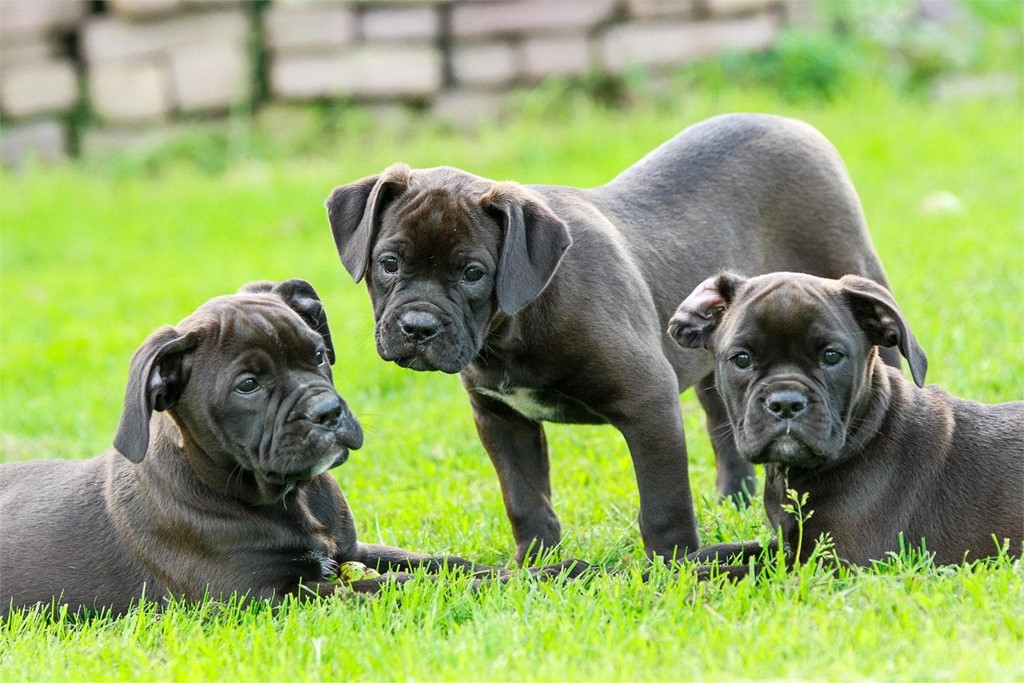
(439, 213)
(240, 322)
(792, 310)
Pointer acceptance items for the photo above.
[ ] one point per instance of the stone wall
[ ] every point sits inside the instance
(76, 74)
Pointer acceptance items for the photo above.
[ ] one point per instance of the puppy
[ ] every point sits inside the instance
(217, 484)
(551, 302)
(883, 462)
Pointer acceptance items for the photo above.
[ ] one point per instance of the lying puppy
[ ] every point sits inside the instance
(217, 483)
(796, 361)
(478, 277)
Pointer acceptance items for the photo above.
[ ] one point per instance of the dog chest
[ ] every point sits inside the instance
(544, 405)
(526, 402)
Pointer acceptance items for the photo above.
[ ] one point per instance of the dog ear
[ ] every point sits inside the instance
(157, 377)
(534, 242)
(701, 312)
(303, 299)
(876, 312)
(354, 214)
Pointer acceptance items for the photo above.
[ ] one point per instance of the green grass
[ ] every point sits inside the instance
(95, 257)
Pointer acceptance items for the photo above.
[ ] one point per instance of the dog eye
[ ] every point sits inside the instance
(741, 360)
(247, 385)
(473, 274)
(321, 357)
(831, 357)
(389, 264)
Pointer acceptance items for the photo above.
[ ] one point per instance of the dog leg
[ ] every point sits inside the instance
(519, 452)
(653, 430)
(733, 572)
(375, 585)
(396, 564)
(388, 559)
(735, 476)
(712, 560)
(735, 553)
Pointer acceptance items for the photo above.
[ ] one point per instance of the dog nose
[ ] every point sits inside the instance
(786, 405)
(418, 326)
(327, 412)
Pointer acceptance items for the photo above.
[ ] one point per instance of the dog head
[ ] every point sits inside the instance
(247, 379)
(442, 252)
(794, 355)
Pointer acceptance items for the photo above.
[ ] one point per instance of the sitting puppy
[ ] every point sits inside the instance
(798, 369)
(217, 481)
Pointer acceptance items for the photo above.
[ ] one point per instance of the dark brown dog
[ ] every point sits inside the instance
(796, 361)
(478, 277)
(222, 490)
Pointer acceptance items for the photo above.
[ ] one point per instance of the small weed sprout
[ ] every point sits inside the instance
(797, 509)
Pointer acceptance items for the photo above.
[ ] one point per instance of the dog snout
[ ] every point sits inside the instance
(326, 412)
(353, 433)
(419, 326)
(675, 330)
(787, 404)
(330, 412)
(349, 430)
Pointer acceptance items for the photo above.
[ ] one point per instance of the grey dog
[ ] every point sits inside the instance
(551, 302)
(796, 360)
(217, 484)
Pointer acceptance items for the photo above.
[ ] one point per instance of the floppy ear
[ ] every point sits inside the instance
(876, 312)
(157, 377)
(534, 242)
(354, 214)
(701, 312)
(303, 299)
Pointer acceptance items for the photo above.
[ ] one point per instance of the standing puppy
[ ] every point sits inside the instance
(217, 483)
(796, 361)
(478, 277)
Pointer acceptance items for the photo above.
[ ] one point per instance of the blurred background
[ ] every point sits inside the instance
(87, 78)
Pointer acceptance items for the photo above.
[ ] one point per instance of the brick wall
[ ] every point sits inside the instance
(103, 74)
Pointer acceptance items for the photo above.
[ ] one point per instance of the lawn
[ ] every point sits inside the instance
(95, 257)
